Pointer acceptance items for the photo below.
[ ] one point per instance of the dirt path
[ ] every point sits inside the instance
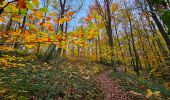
(110, 88)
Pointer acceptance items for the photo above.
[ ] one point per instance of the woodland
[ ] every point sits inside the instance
(114, 50)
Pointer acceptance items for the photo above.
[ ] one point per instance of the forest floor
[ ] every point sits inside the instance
(121, 86)
(25, 77)
(110, 88)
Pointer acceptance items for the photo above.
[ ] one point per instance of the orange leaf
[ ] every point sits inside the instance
(48, 18)
(68, 19)
(47, 24)
(41, 23)
(88, 18)
(2, 19)
(39, 14)
(26, 33)
(21, 4)
(49, 39)
(115, 7)
(31, 17)
(19, 16)
(51, 28)
(70, 13)
(64, 15)
(56, 20)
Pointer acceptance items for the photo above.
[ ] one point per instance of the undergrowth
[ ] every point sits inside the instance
(140, 85)
(39, 80)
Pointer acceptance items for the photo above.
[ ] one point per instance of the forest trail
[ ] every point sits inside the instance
(110, 88)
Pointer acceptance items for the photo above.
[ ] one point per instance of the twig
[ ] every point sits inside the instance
(2, 9)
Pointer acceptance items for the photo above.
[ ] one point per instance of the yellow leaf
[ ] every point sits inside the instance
(2, 19)
(68, 19)
(47, 24)
(39, 14)
(149, 93)
(157, 93)
(167, 85)
(17, 19)
(61, 21)
(52, 14)
(30, 46)
(5, 36)
(9, 49)
(115, 7)
(13, 8)
(3, 3)
(35, 2)
(4, 62)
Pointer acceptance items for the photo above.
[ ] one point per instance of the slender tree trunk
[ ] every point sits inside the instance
(99, 44)
(58, 55)
(119, 44)
(130, 50)
(137, 60)
(78, 51)
(96, 48)
(73, 51)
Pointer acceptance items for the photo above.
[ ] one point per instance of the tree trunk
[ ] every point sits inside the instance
(130, 50)
(62, 7)
(58, 55)
(109, 31)
(137, 60)
(160, 26)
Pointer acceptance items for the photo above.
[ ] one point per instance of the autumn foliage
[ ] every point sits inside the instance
(46, 39)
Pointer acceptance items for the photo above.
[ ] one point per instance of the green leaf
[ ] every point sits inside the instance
(166, 19)
(22, 98)
(29, 5)
(160, 1)
(23, 11)
(157, 1)
(44, 10)
(31, 26)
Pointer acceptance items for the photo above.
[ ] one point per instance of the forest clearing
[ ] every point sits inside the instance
(84, 50)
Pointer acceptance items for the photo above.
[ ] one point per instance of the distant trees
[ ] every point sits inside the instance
(65, 7)
(134, 35)
(159, 11)
(103, 8)
(134, 39)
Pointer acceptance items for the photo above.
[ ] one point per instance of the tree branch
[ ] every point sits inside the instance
(2, 9)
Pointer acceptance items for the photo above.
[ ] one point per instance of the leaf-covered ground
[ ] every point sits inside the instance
(141, 87)
(37, 80)
(24, 76)
(110, 88)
